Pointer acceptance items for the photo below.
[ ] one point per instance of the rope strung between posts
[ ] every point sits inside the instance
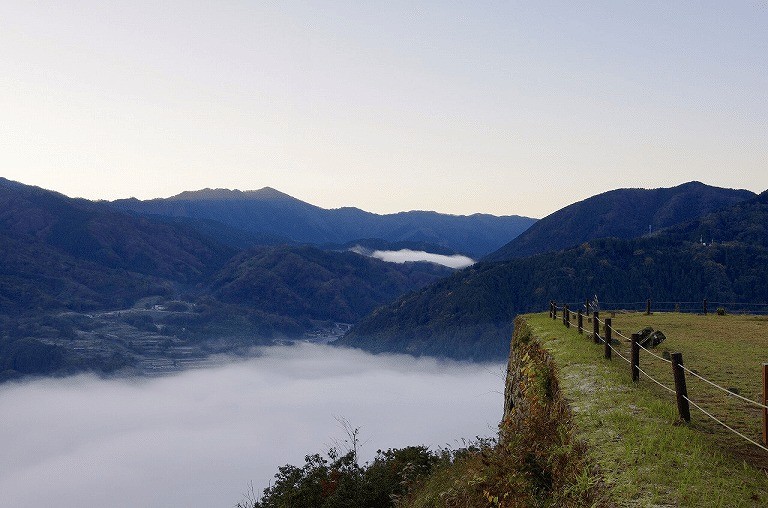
(745, 399)
(638, 367)
(616, 351)
(641, 346)
(670, 390)
(740, 303)
(603, 340)
(678, 303)
(729, 392)
(654, 354)
(686, 303)
(725, 425)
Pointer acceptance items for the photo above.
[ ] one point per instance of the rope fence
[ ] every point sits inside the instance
(725, 425)
(676, 361)
(687, 307)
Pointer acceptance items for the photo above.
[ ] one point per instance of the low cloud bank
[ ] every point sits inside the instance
(404, 255)
(198, 438)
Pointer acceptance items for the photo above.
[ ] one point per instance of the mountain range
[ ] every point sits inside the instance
(280, 218)
(470, 313)
(149, 286)
(88, 285)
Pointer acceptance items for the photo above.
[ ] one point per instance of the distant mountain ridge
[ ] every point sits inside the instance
(263, 194)
(470, 314)
(95, 233)
(270, 212)
(85, 286)
(621, 213)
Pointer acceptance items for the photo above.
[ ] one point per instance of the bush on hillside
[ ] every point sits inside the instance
(337, 481)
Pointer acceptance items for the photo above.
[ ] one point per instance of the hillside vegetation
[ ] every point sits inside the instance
(620, 213)
(86, 287)
(472, 311)
(309, 283)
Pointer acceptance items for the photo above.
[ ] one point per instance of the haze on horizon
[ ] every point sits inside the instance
(386, 106)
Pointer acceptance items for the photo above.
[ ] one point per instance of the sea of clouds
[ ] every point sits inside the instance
(198, 438)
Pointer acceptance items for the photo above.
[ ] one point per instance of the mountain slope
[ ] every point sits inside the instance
(306, 283)
(95, 233)
(62, 253)
(745, 222)
(622, 213)
(469, 314)
(268, 211)
(61, 256)
(85, 287)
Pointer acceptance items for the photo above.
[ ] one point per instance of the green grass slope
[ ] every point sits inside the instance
(646, 455)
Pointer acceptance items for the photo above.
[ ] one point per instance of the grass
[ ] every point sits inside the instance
(538, 460)
(646, 455)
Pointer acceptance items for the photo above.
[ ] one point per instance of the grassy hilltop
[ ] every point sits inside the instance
(646, 456)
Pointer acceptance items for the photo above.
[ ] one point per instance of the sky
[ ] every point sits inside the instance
(200, 438)
(459, 107)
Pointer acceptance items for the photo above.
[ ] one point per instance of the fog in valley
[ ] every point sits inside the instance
(198, 438)
(408, 255)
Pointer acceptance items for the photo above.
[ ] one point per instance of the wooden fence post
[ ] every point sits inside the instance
(705, 306)
(635, 357)
(580, 321)
(608, 338)
(648, 307)
(680, 388)
(586, 306)
(550, 309)
(596, 327)
(765, 403)
(554, 309)
(567, 317)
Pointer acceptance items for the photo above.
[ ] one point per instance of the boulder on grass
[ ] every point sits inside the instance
(650, 338)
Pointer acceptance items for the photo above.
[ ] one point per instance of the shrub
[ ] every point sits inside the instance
(337, 481)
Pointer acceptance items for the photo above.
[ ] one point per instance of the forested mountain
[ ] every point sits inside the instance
(61, 256)
(470, 313)
(745, 222)
(622, 213)
(308, 283)
(65, 253)
(270, 212)
(83, 286)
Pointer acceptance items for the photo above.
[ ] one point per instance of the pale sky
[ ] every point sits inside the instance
(459, 107)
